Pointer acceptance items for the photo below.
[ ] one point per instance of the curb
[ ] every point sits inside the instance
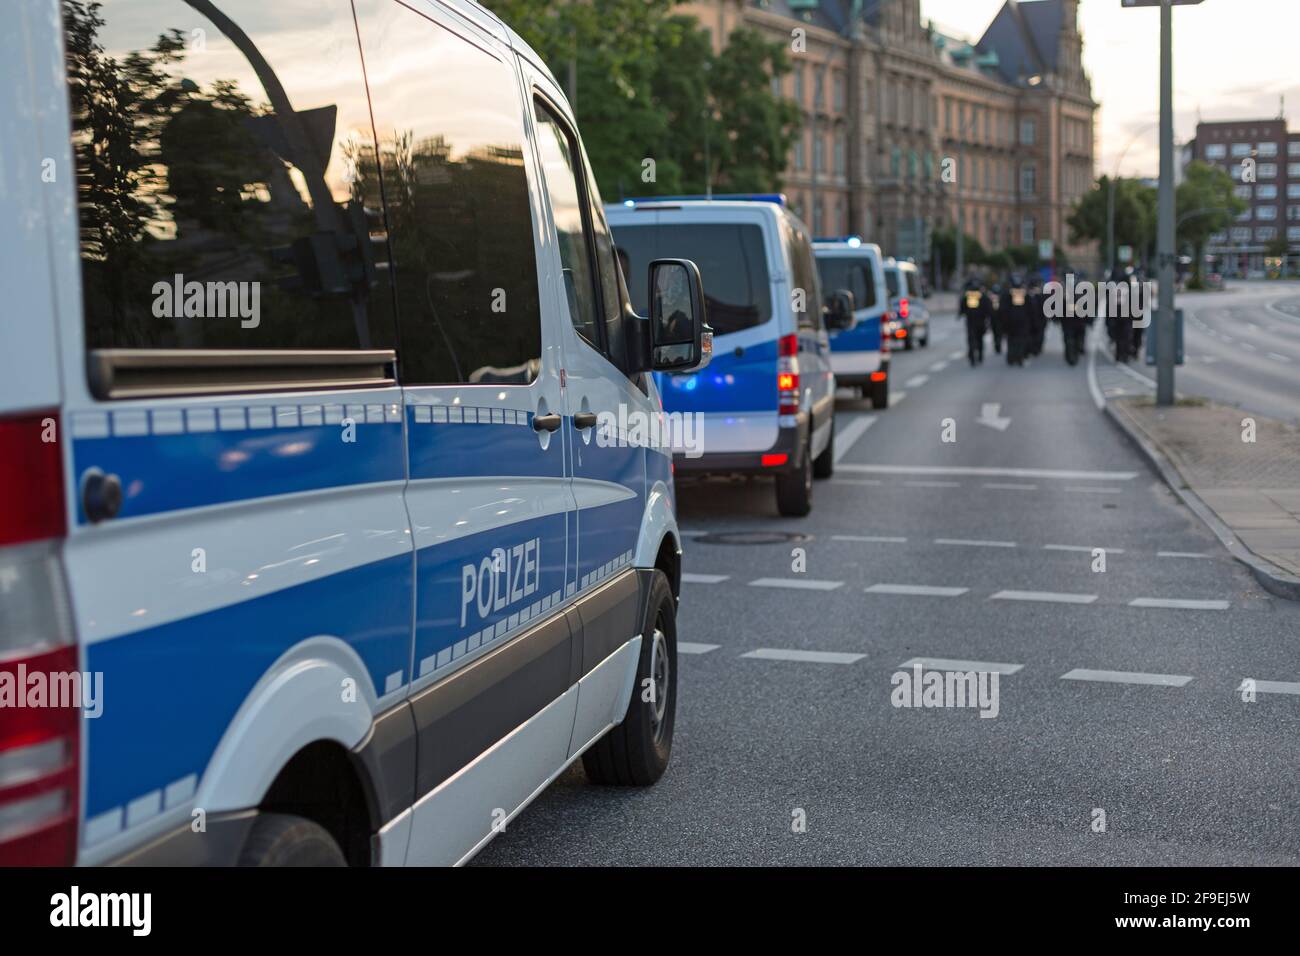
(1274, 580)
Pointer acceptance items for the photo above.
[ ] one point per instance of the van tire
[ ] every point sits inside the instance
(279, 839)
(794, 487)
(636, 752)
(879, 393)
(824, 464)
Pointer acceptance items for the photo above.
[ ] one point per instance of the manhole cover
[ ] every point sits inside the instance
(753, 537)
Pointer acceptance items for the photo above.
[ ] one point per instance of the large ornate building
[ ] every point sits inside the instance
(906, 127)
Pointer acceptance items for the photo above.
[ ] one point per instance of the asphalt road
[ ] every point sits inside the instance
(1148, 726)
(1242, 348)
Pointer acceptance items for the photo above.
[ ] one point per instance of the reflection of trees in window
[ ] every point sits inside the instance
(219, 183)
(460, 230)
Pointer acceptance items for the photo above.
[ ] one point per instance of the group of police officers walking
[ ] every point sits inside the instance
(1017, 314)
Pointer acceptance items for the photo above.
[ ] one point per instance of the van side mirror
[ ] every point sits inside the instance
(839, 309)
(680, 337)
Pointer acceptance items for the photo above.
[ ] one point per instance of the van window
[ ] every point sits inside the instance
(804, 276)
(449, 121)
(560, 165)
(214, 177)
(913, 284)
(854, 274)
(891, 282)
(731, 259)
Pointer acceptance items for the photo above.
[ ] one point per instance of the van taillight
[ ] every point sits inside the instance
(787, 375)
(40, 682)
(902, 308)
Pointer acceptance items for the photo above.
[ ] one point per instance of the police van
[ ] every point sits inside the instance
(909, 321)
(767, 403)
(858, 355)
(317, 543)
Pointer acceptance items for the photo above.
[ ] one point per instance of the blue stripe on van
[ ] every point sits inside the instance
(171, 691)
(162, 472)
(730, 383)
(863, 337)
(447, 449)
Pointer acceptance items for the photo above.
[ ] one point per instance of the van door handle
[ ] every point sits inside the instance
(547, 423)
(584, 419)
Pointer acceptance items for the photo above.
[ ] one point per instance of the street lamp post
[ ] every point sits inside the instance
(1165, 244)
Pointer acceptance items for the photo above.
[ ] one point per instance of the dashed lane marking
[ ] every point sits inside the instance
(1127, 677)
(953, 356)
(868, 538)
(1008, 486)
(938, 366)
(1180, 604)
(916, 381)
(965, 542)
(688, 647)
(1180, 554)
(800, 584)
(957, 470)
(810, 657)
(925, 590)
(1095, 491)
(932, 484)
(848, 437)
(1049, 597)
(944, 664)
(704, 578)
(1271, 686)
(1080, 547)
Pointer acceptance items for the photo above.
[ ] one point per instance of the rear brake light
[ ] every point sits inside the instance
(900, 333)
(878, 376)
(31, 479)
(902, 308)
(774, 461)
(40, 685)
(787, 375)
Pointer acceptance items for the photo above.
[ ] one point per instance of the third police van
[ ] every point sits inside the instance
(767, 402)
(860, 352)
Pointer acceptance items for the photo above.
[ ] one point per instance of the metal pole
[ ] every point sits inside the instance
(1165, 317)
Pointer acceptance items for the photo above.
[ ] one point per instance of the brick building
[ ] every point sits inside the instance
(905, 124)
(1264, 159)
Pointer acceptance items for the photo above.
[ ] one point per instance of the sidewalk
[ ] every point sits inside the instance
(1251, 490)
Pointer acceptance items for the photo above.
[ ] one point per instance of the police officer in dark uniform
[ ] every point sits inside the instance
(1074, 324)
(1120, 327)
(1016, 319)
(994, 297)
(1037, 316)
(975, 310)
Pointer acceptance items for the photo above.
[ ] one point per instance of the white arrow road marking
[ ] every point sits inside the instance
(944, 664)
(989, 416)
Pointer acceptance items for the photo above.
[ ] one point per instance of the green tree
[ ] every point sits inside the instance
(1207, 203)
(649, 87)
(1135, 221)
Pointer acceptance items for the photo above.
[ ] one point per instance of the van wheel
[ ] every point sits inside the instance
(880, 394)
(925, 342)
(794, 487)
(824, 464)
(278, 839)
(636, 752)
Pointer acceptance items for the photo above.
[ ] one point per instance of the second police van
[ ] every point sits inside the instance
(767, 402)
(860, 352)
(305, 509)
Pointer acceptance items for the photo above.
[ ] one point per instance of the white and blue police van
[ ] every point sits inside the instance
(909, 317)
(859, 353)
(317, 543)
(767, 402)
